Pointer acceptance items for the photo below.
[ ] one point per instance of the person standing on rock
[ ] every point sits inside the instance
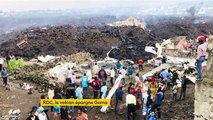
(4, 76)
(201, 55)
(140, 64)
(84, 83)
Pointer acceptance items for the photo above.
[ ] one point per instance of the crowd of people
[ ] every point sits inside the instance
(144, 95)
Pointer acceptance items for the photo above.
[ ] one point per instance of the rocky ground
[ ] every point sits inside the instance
(98, 40)
(68, 40)
(186, 26)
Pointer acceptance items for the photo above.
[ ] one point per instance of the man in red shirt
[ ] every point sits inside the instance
(96, 87)
(140, 64)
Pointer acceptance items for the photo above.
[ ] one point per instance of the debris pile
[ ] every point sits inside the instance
(34, 73)
(14, 114)
(180, 27)
(67, 40)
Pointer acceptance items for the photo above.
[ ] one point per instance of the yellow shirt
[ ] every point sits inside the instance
(130, 99)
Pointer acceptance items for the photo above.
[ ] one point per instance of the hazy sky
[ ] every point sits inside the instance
(23, 5)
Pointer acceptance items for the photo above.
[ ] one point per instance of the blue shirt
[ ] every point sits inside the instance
(78, 93)
(118, 66)
(131, 70)
(165, 74)
(159, 98)
(57, 109)
(119, 94)
(84, 81)
(4, 73)
(104, 91)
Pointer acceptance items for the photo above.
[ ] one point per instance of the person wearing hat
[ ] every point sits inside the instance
(131, 104)
(201, 54)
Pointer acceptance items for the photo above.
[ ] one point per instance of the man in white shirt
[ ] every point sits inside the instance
(112, 76)
(95, 69)
(1, 63)
(131, 103)
(73, 78)
(123, 73)
(137, 79)
(69, 74)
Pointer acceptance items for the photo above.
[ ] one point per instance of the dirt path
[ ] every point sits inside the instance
(16, 98)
